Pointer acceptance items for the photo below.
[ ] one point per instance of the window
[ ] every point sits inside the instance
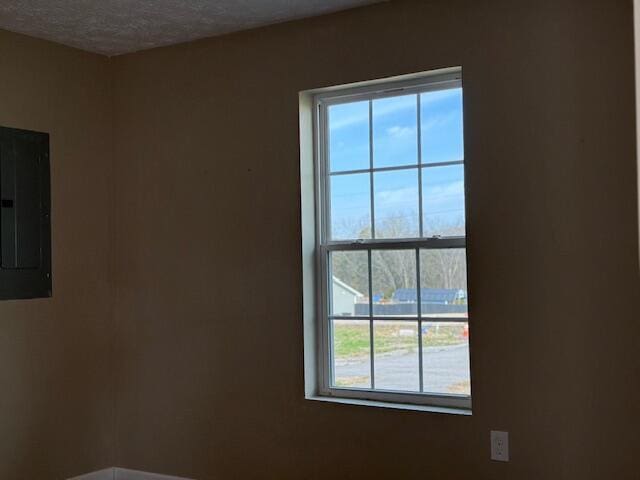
(392, 298)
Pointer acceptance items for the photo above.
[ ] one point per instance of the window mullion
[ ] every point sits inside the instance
(325, 194)
(372, 201)
(371, 356)
(384, 169)
(325, 336)
(419, 300)
(419, 120)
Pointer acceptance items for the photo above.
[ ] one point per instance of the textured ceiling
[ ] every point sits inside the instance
(113, 27)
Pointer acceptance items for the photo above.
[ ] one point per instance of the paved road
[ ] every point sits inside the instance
(444, 367)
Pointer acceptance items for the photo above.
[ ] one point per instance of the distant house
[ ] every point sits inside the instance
(344, 298)
(438, 296)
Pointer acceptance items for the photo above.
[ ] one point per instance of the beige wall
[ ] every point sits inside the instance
(208, 309)
(56, 394)
(636, 29)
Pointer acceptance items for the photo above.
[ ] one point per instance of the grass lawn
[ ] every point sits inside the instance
(351, 339)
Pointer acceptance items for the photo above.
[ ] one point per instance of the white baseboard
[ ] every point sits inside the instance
(106, 474)
(126, 474)
(117, 473)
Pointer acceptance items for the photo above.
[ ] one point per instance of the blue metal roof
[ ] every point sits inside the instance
(430, 295)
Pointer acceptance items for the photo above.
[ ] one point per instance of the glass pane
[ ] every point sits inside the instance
(395, 134)
(349, 283)
(443, 282)
(394, 283)
(396, 203)
(350, 206)
(445, 358)
(443, 201)
(396, 361)
(441, 126)
(351, 354)
(349, 136)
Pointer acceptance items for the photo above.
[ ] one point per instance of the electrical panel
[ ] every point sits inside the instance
(25, 215)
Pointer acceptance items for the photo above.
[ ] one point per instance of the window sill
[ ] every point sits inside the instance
(392, 405)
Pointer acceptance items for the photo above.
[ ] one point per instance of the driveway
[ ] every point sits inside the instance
(445, 370)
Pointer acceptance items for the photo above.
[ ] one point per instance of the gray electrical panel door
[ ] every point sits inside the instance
(25, 215)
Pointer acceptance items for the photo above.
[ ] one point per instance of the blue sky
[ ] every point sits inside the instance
(395, 143)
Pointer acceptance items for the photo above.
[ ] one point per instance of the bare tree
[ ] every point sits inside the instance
(395, 269)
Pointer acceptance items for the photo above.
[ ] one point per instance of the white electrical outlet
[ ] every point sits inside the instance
(500, 446)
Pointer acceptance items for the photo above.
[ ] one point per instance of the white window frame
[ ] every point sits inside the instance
(431, 81)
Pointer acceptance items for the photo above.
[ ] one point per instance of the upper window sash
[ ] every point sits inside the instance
(376, 91)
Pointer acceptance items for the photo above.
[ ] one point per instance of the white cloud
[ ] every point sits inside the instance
(398, 132)
(397, 196)
(439, 120)
(444, 194)
(438, 96)
(389, 108)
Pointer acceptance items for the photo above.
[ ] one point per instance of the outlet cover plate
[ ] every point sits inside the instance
(499, 446)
